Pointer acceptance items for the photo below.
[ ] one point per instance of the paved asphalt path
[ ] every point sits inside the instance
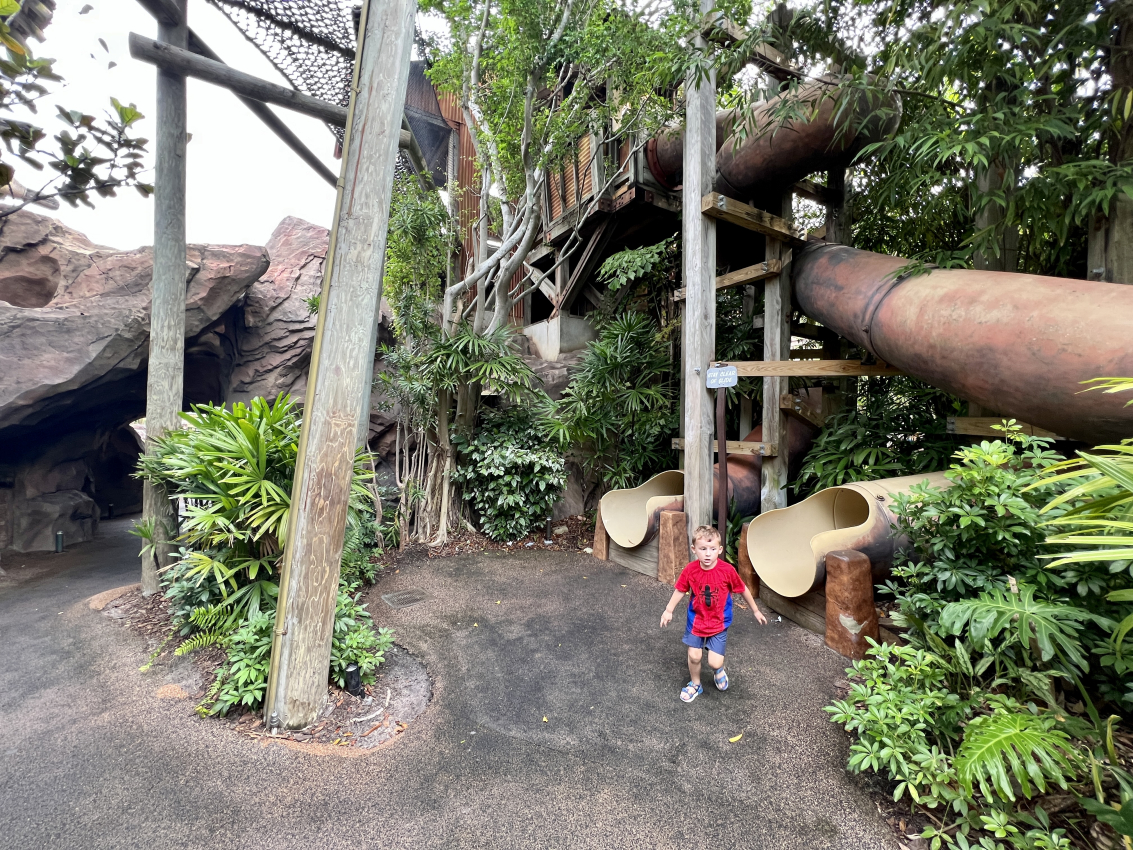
(92, 757)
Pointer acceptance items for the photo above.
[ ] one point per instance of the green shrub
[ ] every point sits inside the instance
(235, 469)
(897, 428)
(618, 409)
(969, 537)
(355, 641)
(242, 680)
(511, 474)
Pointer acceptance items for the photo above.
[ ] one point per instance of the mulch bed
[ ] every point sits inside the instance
(384, 710)
(573, 534)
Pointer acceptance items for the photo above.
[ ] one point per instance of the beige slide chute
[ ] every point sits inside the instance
(788, 546)
(631, 517)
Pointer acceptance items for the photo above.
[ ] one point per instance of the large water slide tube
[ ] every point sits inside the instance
(1018, 344)
(759, 159)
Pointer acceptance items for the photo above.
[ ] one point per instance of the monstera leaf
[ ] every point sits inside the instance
(1001, 751)
(1050, 627)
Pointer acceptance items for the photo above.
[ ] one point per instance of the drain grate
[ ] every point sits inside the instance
(403, 598)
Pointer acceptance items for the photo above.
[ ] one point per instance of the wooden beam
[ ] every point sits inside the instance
(776, 346)
(745, 215)
(270, 119)
(167, 13)
(698, 325)
(741, 277)
(581, 270)
(763, 56)
(810, 369)
(165, 374)
(981, 426)
(793, 404)
(736, 447)
(338, 386)
(178, 60)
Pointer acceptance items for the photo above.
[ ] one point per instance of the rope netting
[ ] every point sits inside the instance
(311, 42)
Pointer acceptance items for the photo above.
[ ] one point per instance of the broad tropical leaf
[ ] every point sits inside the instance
(1019, 618)
(1022, 748)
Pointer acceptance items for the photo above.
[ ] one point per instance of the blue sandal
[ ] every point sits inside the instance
(690, 692)
(720, 678)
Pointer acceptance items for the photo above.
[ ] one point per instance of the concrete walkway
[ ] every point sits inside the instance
(91, 757)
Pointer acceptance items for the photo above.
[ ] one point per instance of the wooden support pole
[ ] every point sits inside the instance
(837, 209)
(601, 545)
(722, 465)
(776, 346)
(850, 615)
(699, 277)
(178, 59)
(341, 364)
(165, 376)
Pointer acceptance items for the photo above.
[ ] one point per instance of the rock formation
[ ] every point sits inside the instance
(74, 341)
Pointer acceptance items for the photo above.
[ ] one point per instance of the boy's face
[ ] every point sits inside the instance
(707, 551)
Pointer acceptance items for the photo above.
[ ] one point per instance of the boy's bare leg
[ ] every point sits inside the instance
(715, 661)
(694, 656)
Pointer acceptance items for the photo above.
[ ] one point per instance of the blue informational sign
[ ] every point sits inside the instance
(721, 377)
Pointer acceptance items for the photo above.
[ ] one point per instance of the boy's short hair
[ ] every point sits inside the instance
(708, 533)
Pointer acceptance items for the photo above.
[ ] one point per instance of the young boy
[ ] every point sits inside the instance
(712, 583)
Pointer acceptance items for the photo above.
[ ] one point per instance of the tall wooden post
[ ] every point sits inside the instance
(776, 346)
(165, 381)
(699, 328)
(338, 384)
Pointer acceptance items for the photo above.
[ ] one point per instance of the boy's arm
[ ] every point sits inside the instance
(750, 600)
(667, 616)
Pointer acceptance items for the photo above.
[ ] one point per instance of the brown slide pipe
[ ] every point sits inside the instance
(665, 151)
(764, 161)
(1018, 344)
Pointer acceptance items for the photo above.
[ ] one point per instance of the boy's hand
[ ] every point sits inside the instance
(666, 618)
(759, 616)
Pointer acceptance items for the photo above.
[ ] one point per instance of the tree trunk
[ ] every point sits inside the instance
(1110, 248)
(999, 176)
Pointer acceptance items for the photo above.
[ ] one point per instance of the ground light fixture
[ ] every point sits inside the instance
(547, 539)
(353, 680)
(58, 542)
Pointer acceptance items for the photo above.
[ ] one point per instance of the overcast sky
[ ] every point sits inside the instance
(242, 179)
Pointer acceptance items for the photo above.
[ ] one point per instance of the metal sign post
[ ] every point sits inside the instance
(719, 378)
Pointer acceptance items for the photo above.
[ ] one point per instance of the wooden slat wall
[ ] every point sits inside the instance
(467, 202)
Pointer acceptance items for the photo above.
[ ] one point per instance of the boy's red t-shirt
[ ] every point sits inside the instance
(710, 608)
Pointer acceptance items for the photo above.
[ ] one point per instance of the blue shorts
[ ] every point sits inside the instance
(713, 643)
